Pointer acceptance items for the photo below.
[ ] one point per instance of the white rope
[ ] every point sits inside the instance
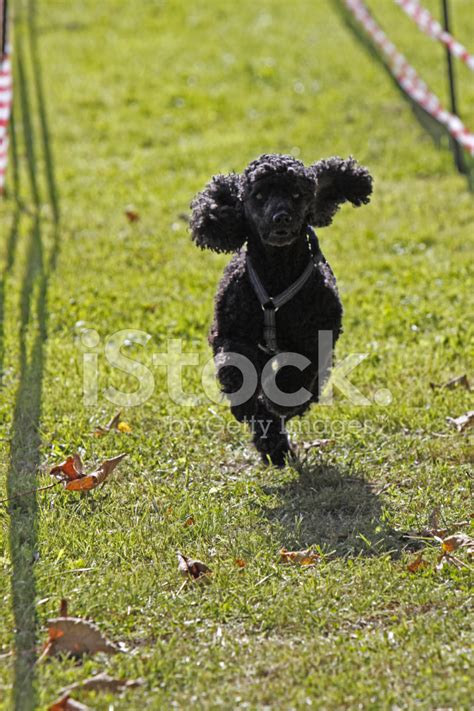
(433, 29)
(408, 78)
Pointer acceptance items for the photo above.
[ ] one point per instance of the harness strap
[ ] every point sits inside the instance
(271, 304)
(294, 288)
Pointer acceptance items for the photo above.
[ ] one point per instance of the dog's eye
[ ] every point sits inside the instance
(296, 195)
(259, 196)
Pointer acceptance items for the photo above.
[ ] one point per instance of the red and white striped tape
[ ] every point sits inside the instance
(6, 97)
(432, 28)
(408, 79)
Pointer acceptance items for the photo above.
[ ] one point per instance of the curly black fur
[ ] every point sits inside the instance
(217, 220)
(338, 180)
(269, 206)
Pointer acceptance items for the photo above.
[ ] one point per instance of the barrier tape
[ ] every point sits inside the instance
(6, 98)
(408, 79)
(433, 29)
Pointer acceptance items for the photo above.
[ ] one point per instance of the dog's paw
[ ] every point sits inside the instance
(279, 455)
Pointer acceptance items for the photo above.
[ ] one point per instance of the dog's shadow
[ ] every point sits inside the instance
(322, 505)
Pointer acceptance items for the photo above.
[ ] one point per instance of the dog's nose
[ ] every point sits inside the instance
(282, 218)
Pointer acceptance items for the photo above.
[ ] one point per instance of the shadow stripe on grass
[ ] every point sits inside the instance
(25, 441)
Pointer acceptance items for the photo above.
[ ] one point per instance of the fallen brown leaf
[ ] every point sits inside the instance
(69, 470)
(433, 530)
(189, 521)
(103, 682)
(446, 558)
(304, 557)
(71, 473)
(460, 380)
(131, 214)
(115, 423)
(418, 563)
(102, 430)
(65, 703)
(193, 569)
(463, 422)
(317, 444)
(458, 540)
(240, 562)
(75, 637)
(98, 477)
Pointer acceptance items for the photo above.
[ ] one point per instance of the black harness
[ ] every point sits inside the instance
(271, 304)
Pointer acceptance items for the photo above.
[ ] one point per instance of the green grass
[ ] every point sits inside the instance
(139, 103)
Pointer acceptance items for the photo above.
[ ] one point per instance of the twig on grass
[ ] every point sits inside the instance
(30, 491)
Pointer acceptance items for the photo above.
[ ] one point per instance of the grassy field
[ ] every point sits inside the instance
(120, 104)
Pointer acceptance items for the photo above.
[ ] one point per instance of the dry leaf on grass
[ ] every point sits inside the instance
(418, 563)
(71, 473)
(69, 470)
(449, 538)
(434, 530)
(317, 444)
(240, 562)
(115, 423)
(305, 557)
(458, 540)
(463, 422)
(75, 637)
(193, 569)
(189, 521)
(131, 214)
(104, 682)
(442, 532)
(65, 703)
(459, 381)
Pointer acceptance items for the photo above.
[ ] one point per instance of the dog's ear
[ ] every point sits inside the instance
(338, 181)
(217, 220)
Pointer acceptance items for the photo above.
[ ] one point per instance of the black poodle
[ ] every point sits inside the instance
(277, 313)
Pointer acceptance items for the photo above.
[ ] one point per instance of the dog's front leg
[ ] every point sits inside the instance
(289, 387)
(238, 373)
(269, 435)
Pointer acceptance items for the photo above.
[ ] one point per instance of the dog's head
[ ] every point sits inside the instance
(274, 200)
(277, 193)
